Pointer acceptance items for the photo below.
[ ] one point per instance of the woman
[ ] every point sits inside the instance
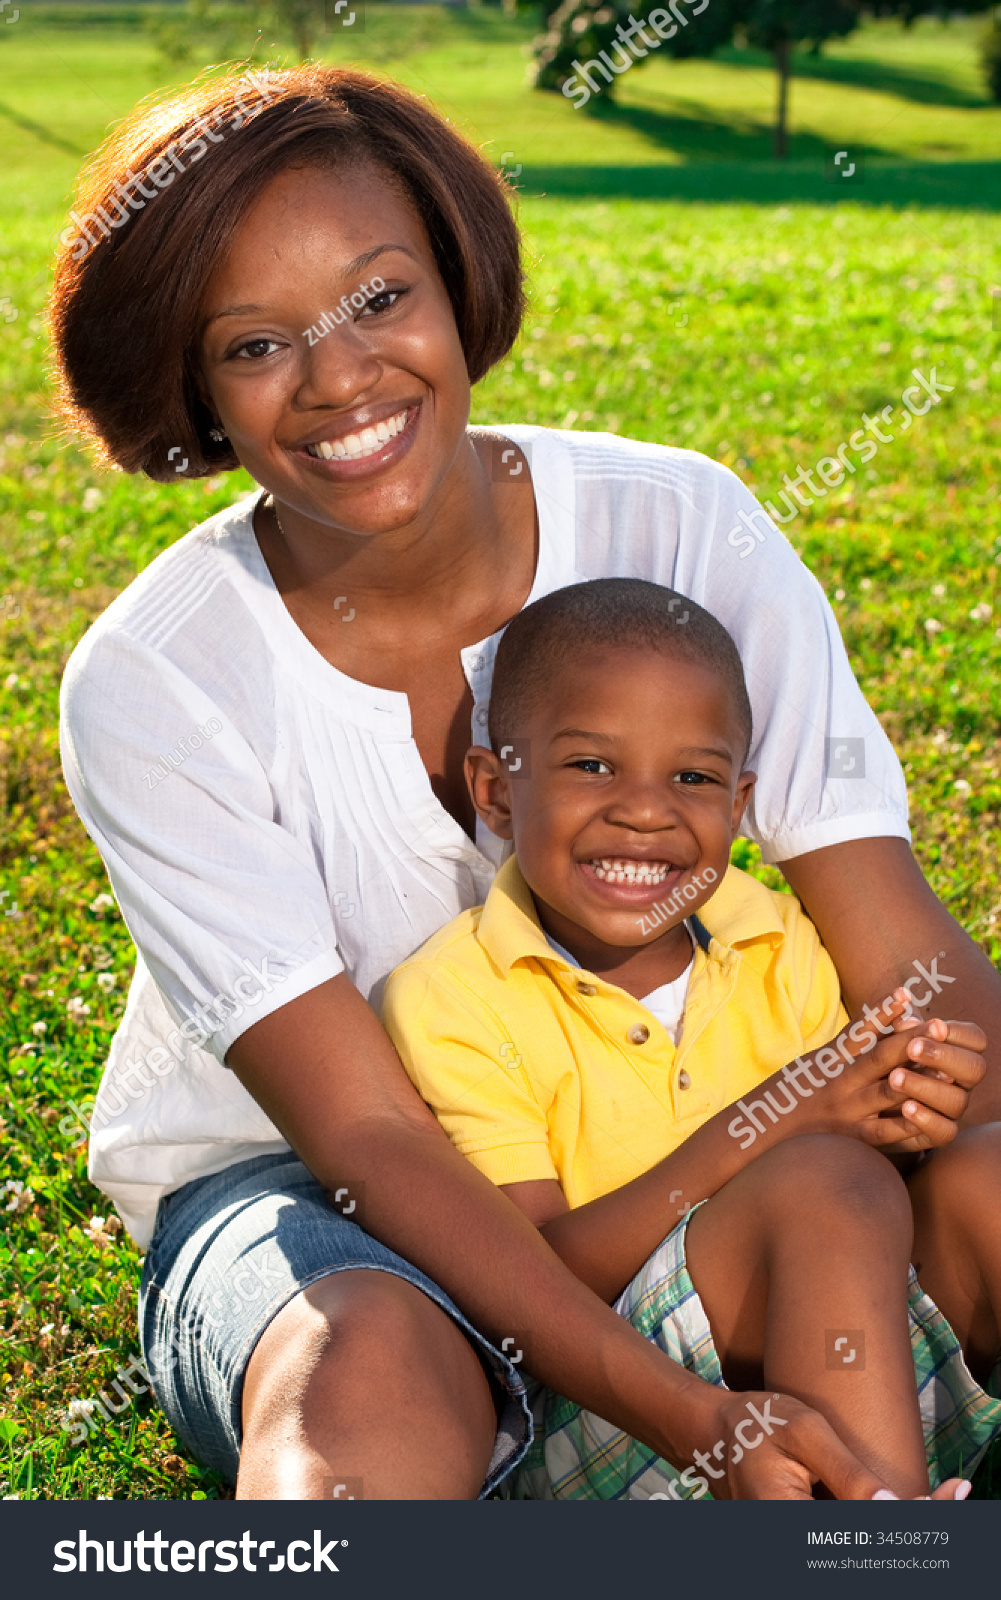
(264, 735)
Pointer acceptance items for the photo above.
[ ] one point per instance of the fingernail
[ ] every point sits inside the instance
(909, 1108)
(885, 1494)
(897, 1079)
(963, 1490)
(915, 1049)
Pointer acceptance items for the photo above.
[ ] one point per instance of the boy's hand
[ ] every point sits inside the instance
(938, 1053)
(904, 1092)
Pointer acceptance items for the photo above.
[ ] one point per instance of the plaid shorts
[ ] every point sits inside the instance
(575, 1455)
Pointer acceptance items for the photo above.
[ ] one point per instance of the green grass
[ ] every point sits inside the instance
(744, 316)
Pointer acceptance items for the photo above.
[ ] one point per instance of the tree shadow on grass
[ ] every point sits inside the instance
(881, 76)
(949, 185)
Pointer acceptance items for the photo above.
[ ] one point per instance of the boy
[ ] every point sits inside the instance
(629, 1026)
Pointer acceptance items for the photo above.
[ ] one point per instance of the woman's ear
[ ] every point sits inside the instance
(489, 790)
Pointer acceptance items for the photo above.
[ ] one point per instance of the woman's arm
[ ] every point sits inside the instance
(325, 1072)
(879, 919)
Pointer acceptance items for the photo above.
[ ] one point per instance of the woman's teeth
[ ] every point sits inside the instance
(354, 446)
(612, 869)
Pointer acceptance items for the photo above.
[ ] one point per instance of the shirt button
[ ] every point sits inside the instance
(481, 715)
(684, 1081)
(586, 988)
(639, 1034)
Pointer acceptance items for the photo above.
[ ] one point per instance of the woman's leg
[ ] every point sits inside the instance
(363, 1377)
(808, 1246)
(956, 1196)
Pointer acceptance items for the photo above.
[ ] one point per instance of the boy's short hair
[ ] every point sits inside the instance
(605, 613)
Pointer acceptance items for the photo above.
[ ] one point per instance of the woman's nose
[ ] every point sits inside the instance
(339, 364)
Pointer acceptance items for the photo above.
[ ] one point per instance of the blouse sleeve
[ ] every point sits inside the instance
(226, 907)
(826, 770)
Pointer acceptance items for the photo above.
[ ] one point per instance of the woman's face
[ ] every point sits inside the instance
(357, 428)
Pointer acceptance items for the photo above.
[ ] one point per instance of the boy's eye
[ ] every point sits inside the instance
(694, 778)
(593, 765)
(255, 349)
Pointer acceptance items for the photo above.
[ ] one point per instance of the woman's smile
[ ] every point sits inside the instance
(363, 449)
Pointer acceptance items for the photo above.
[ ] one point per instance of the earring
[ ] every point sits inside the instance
(216, 435)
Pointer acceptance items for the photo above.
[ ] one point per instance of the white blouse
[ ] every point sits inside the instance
(267, 822)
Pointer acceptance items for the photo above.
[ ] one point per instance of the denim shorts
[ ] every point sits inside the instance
(228, 1252)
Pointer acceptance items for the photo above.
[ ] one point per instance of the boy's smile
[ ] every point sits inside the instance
(634, 790)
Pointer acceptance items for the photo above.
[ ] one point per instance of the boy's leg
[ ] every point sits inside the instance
(807, 1247)
(956, 1197)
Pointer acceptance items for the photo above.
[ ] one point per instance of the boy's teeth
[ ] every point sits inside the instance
(612, 869)
(353, 446)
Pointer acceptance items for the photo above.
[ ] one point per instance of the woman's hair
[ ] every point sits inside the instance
(162, 199)
(605, 614)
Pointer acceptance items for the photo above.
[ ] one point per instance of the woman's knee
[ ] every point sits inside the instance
(962, 1176)
(366, 1345)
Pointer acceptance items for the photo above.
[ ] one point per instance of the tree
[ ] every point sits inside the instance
(580, 35)
(779, 25)
(608, 35)
(990, 58)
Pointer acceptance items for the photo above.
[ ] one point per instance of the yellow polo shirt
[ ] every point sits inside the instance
(539, 1069)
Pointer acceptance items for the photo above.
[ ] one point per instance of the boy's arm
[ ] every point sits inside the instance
(606, 1242)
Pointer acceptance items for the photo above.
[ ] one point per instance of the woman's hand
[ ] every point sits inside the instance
(900, 1090)
(777, 1448)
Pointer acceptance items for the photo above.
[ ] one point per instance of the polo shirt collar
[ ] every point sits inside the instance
(739, 913)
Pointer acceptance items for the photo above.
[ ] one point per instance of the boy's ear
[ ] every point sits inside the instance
(742, 795)
(489, 790)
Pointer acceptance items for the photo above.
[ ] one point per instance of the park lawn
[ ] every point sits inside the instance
(759, 333)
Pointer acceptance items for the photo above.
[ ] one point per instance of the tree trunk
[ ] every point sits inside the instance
(782, 54)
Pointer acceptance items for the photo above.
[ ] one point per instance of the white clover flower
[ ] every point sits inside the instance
(39, 1028)
(78, 1008)
(981, 613)
(102, 1230)
(92, 499)
(79, 1408)
(21, 1198)
(933, 625)
(103, 902)
(106, 981)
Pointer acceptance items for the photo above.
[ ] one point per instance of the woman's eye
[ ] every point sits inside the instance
(591, 764)
(255, 349)
(382, 301)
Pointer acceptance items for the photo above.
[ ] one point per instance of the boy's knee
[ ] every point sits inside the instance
(840, 1180)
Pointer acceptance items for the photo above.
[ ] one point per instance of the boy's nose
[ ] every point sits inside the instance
(645, 807)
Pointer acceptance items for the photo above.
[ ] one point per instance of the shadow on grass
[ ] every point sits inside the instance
(881, 76)
(949, 185)
(39, 130)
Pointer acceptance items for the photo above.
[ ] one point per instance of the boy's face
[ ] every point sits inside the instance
(632, 788)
